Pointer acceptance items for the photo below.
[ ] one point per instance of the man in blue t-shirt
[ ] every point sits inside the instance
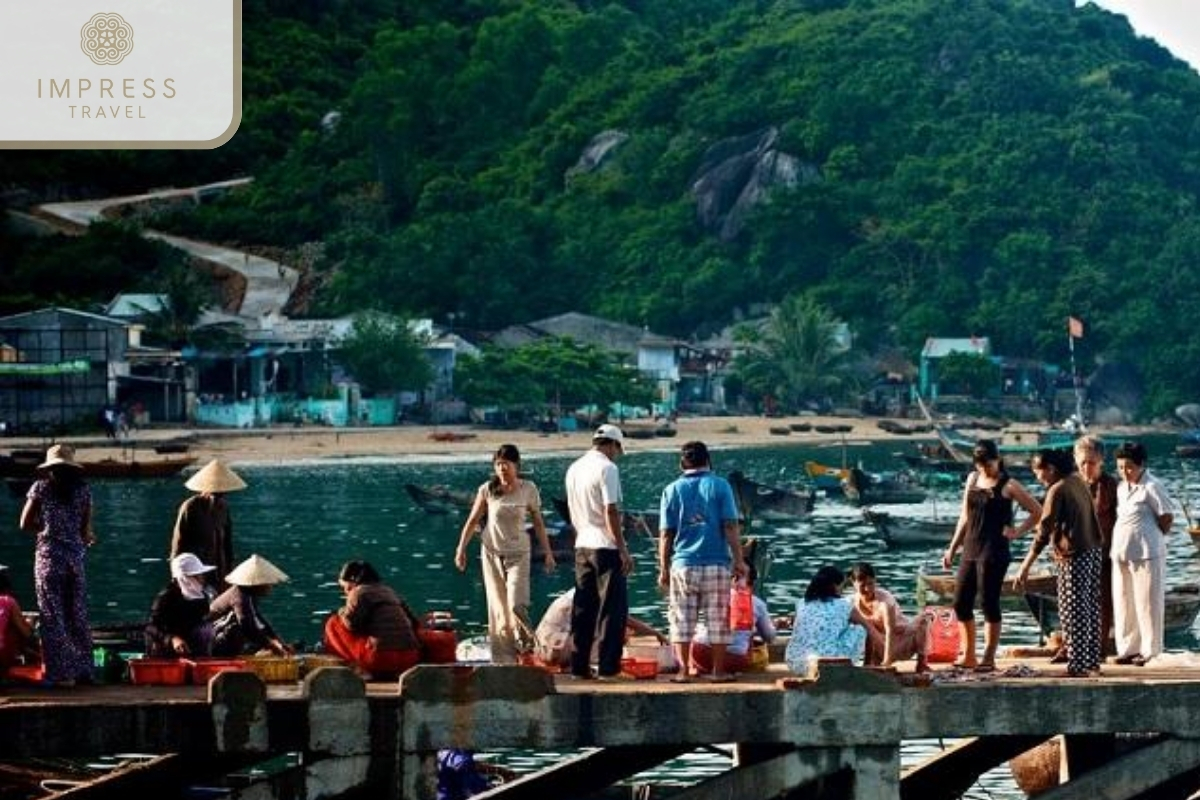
(700, 549)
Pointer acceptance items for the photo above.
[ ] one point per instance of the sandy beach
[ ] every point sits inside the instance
(280, 445)
(423, 443)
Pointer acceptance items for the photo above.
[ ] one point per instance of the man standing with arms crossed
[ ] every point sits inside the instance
(699, 542)
(602, 559)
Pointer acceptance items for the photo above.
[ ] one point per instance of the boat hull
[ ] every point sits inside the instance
(907, 532)
(1180, 610)
(759, 500)
(941, 584)
(20, 467)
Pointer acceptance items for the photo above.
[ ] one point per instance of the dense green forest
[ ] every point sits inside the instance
(917, 167)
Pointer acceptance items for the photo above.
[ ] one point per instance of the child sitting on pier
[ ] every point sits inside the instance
(891, 636)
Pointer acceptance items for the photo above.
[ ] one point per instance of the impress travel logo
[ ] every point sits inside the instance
(135, 74)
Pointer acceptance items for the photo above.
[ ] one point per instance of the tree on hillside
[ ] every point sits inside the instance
(556, 372)
(968, 373)
(794, 357)
(384, 355)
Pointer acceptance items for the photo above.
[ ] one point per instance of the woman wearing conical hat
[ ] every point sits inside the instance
(238, 624)
(204, 527)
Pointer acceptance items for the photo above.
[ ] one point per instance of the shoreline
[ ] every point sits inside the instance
(278, 446)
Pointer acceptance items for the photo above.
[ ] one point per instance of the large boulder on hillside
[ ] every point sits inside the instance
(1115, 391)
(736, 174)
(597, 153)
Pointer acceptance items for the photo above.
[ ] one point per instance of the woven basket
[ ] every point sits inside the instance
(312, 662)
(275, 669)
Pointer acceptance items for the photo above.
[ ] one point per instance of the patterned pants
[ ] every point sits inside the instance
(1079, 609)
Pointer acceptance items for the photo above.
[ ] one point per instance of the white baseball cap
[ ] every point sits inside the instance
(187, 565)
(610, 432)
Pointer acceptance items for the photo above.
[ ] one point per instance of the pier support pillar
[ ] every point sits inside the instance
(239, 712)
(339, 732)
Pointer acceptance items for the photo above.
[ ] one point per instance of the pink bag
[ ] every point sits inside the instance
(942, 640)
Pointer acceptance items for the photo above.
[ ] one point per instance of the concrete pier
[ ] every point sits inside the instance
(836, 734)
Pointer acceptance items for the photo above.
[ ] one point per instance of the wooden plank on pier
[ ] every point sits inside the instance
(949, 774)
(1133, 774)
(584, 774)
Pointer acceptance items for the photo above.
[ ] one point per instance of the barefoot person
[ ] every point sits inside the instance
(891, 636)
(985, 527)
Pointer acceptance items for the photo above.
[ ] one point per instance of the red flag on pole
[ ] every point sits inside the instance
(1075, 327)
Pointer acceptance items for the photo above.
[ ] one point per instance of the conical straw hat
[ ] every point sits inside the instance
(256, 571)
(215, 478)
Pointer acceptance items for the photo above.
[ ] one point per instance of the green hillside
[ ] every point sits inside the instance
(920, 167)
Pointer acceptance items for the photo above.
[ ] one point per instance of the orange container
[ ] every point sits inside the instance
(25, 673)
(641, 668)
(158, 671)
(203, 669)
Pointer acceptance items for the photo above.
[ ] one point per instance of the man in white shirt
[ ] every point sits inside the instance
(602, 559)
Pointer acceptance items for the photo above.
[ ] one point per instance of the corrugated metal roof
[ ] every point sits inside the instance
(940, 348)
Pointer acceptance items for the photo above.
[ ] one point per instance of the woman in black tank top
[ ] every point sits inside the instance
(985, 528)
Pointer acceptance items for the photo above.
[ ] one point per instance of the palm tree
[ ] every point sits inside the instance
(794, 356)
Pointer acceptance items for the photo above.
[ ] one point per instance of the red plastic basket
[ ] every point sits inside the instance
(158, 671)
(641, 668)
(203, 669)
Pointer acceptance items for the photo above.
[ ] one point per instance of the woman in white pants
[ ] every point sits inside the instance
(1139, 554)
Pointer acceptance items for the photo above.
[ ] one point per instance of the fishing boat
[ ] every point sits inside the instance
(439, 499)
(756, 499)
(1188, 444)
(933, 457)
(830, 480)
(867, 490)
(22, 465)
(633, 523)
(1182, 606)
(899, 531)
(941, 585)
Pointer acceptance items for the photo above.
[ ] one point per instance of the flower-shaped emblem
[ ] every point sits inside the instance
(106, 38)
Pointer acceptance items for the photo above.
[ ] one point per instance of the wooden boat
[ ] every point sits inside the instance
(909, 531)
(940, 585)
(439, 499)
(633, 523)
(451, 435)
(902, 428)
(865, 489)
(830, 480)
(755, 499)
(1188, 445)
(137, 468)
(1182, 606)
(23, 465)
(1194, 535)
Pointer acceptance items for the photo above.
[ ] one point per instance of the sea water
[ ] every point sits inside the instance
(309, 517)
